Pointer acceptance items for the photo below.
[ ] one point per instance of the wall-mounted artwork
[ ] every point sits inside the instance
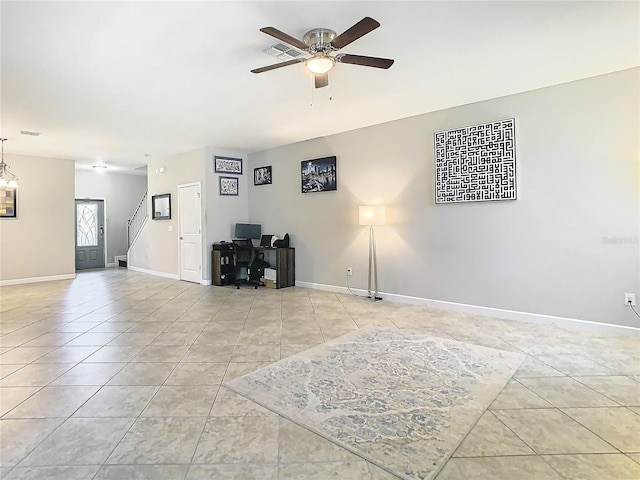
(319, 175)
(476, 163)
(8, 202)
(229, 186)
(228, 165)
(262, 176)
(161, 207)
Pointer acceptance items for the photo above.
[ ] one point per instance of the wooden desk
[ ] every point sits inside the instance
(284, 261)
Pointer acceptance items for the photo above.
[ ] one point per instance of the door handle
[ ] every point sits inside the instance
(101, 231)
(180, 238)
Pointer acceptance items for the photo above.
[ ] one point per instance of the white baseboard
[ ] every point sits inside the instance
(172, 276)
(51, 278)
(110, 265)
(205, 282)
(563, 322)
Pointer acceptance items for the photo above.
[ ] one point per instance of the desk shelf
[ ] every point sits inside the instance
(283, 260)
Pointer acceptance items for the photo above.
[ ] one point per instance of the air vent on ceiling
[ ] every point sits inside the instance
(27, 132)
(283, 52)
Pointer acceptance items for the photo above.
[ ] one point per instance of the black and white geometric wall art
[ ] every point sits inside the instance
(476, 163)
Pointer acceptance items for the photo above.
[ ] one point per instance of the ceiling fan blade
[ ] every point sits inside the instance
(365, 61)
(321, 80)
(274, 32)
(360, 29)
(277, 65)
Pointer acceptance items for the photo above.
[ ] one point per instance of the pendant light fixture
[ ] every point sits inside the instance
(7, 179)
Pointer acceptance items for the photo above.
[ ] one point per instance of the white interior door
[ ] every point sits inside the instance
(190, 232)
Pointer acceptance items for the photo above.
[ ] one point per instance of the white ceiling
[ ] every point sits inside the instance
(113, 81)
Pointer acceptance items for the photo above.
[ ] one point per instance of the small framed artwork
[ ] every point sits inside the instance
(161, 207)
(229, 186)
(228, 165)
(8, 202)
(319, 175)
(262, 175)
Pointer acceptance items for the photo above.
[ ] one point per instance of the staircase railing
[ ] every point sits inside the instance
(135, 223)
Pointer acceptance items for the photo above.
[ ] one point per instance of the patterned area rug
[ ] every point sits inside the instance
(401, 400)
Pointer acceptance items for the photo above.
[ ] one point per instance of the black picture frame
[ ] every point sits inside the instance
(161, 207)
(318, 175)
(262, 175)
(8, 202)
(228, 186)
(228, 165)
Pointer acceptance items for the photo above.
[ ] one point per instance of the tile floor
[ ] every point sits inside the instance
(117, 375)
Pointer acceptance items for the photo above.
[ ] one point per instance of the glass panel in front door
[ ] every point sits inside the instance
(87, 227)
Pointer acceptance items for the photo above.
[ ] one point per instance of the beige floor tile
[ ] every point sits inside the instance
(238, 369)
(58, 401)
(175, 338)
(594, 467)
(624, 390)
(299, 445)
(535, 368)
(80, 441)
(209, 353)
(52, 473)
(378, 473)
(229, 337)
(233, 472)
(143, 374)
(66, 354)
(160, 353)
(92, 339)
(133, 338)
(159, 441)
(293, 349)
(549, 431)
(498, 468)
(10, 397)
(228, 403)
(34, 375)
(617, 425)
(115, 353)
(515, 395)
(19, 436)
(89, 374)
(6, 370)
(634, 456)
(197, 374)
(566, 392)
(53, 339)
(490, 437)
(117, 401)
(574, 364)
(325, 471)
(181, 401)
(22, 355)
(239, 440)
(256, 353)
(142, 472)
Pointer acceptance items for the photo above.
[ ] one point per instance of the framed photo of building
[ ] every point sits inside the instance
(229, 186)
(262, 176)
(8, 202)
(227, 165)
(319, 175)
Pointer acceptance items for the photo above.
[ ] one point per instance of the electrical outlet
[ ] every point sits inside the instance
(630, 299)
(349, 271)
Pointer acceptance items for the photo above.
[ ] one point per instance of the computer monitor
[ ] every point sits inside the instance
(248, 230)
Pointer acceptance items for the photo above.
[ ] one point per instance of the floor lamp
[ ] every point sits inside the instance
(372, 215)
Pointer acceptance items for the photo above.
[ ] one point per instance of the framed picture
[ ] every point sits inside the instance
(319, 175)
(262, 175)
(8, 202)
(476, 163)
(228, 165)
(229, 186)
(161, 207)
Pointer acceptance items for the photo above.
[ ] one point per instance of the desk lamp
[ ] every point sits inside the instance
(372, 215)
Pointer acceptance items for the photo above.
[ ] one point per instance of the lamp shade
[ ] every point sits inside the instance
(372, 215)
(320, 64)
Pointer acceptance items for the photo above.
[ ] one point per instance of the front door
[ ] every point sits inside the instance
(189, 205)
(89, 234)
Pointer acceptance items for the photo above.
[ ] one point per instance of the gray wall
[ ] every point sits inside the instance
(122, 193)
(40, 242)
(567, 247)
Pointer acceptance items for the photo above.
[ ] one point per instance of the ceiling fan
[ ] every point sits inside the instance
(321, 44)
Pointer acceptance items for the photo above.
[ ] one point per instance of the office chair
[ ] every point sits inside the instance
(245, 259)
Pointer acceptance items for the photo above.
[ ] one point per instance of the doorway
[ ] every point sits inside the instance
(190, 207)
(90, 235)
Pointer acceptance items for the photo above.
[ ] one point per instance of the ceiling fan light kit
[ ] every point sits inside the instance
(321, 44)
